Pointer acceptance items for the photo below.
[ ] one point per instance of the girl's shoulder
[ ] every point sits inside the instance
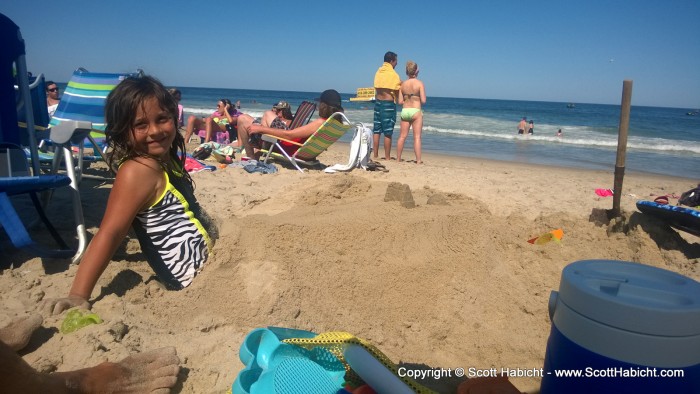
(141, 167)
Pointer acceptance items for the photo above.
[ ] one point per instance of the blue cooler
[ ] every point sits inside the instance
(619, 324)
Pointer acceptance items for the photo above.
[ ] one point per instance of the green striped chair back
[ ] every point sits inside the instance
(329, 132)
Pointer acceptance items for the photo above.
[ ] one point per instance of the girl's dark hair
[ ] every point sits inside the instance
(231, 109)
(122, 106)
(326, 110)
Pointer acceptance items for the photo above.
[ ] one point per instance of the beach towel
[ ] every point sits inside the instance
(193, 165)
(258, 166)
(360, 149)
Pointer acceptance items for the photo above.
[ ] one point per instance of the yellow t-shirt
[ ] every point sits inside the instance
(387, 78)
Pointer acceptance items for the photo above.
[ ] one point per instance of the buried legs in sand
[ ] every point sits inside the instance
(150, 372)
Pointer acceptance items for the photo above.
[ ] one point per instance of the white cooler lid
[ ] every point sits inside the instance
(632, 297)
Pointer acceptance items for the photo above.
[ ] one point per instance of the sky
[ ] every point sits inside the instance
(563, 51)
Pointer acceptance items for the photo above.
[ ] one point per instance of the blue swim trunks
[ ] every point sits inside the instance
(384, 117)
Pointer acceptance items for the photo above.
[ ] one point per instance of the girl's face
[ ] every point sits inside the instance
(153, 131)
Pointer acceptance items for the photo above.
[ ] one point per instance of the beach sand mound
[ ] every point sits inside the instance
(449, 283)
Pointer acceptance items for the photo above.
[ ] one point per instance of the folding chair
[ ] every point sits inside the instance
(303, 114)
(15, 176)
(328, 133)
(83, 102)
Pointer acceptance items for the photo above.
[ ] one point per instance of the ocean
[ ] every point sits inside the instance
(664, 141)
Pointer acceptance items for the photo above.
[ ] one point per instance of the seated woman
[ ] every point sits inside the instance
(329, 103)
(222, 120)
(279, 117)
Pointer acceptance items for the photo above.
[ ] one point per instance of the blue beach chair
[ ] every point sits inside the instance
(16, 178)
(80, 115)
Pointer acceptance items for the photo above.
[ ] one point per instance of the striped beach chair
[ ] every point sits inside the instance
(80, 114)
(303, 114)
(329, 132)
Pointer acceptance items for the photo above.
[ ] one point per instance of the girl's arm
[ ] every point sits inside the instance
(299, 132)
(422, 93)
(227, 113)
(135, 187)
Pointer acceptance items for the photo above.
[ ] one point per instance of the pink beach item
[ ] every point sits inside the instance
(193, 165)
(604, 192)
(222, 137)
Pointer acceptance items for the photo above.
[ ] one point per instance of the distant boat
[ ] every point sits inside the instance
(363, 94)
(693, 113)
(571, 105)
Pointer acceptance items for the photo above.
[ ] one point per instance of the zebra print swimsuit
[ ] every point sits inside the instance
(175, 242)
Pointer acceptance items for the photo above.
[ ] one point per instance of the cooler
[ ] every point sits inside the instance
(620, 324)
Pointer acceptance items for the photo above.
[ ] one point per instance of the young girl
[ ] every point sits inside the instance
(151, 193)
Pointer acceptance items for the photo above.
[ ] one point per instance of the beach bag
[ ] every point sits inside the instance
(202, 152)
(691, 198)
(222, 153)
(360, 150)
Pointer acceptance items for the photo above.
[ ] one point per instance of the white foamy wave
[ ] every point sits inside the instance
(198, 111)
(202, 112)
(584, 137)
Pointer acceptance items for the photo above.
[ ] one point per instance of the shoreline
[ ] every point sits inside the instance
(451, 283)
(408, 152)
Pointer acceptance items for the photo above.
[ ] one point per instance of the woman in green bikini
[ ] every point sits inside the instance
(411, 97)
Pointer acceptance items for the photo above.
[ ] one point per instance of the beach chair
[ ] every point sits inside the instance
(80, 116)
(329, 132)
(16, 179)
(304, 112)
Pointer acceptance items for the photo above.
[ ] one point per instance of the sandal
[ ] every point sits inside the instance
(663, 200)
(374, 166)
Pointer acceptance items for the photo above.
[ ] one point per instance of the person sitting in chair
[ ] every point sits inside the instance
(279, 117)
(52, 98)
(224, 119)
(329, 103)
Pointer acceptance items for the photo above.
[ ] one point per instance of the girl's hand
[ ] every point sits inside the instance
(55, 306)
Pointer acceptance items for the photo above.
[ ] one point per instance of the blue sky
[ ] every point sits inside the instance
(522, 50)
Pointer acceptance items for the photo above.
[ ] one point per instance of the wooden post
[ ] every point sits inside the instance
(622, 145)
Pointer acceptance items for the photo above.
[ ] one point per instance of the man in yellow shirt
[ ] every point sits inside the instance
(386, 85)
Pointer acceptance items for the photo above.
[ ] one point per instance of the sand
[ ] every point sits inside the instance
(449, 283)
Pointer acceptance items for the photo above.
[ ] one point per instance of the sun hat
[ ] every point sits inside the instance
(330, 97)
(281, 105)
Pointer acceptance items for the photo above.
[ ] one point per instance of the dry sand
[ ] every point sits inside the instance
(450, 283)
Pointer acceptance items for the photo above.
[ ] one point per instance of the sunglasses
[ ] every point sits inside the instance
(52, 90)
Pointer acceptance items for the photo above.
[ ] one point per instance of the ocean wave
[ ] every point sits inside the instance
(198, 111)
(584, 138)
